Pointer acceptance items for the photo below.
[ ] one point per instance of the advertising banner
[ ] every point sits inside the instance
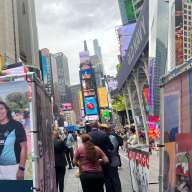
(139, 169)
(125, 33)
(91, 107)
(103, 97)
(15, 138)
(130, 11)
(88, 87)
(66, 107)
(1, 63)
(47, 73)
(184, 162)
(84, 57)
(86, 74)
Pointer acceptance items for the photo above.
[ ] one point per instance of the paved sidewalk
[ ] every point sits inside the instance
(72, 183)
(154, 172)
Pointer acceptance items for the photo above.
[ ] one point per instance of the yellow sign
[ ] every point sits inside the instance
(1, 64)
(103, 97)
(81, 99)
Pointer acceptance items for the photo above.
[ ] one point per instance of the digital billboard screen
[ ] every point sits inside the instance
(91, 107)
(125, 33)
(86, 74)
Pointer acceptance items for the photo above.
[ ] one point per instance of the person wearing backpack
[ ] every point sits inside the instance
(115, 160)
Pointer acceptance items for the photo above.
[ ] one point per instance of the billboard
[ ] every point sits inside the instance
(103, 97)
(125, 33)
(66, 106)
(86, 74)
(130, 11)
(88, 87)
(91, 107)
(46, 69)
(15, 137)
(179, 32)
(84, 57)
(1, 63)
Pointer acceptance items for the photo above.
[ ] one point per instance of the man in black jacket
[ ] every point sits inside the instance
(60, 160)
(101, 139)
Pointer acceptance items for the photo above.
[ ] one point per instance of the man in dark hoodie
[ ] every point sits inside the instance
(60, 159)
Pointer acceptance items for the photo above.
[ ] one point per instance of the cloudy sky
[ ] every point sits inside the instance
(63, 25)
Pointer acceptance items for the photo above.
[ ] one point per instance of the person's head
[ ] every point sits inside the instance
(91, 153)
(94, 124)
(56, 134)
(132, 130)
(106, 128)
(5, 112)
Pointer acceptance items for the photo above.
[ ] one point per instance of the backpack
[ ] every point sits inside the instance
(119, 139)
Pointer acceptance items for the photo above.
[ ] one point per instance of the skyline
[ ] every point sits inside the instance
(80, 25)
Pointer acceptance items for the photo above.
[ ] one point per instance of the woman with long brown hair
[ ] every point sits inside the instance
(90, 158)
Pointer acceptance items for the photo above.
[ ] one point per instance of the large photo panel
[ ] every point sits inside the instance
(15, 134)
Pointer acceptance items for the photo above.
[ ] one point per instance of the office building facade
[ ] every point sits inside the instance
(130, 10)
(28, 38)
(63, 77)
(9, 40)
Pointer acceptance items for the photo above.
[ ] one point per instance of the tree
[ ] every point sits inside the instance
(17, 102)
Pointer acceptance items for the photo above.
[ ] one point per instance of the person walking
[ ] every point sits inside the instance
(89, 158)
(60, 160)
(101, 139)
(115, 160)
(69, 140)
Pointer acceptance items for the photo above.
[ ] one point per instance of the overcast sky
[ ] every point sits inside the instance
(63, 25)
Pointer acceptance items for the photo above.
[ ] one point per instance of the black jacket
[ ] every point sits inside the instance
(101, 139)
(59, 150)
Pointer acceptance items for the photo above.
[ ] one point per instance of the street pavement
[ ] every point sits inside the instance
(154, 172)
(72, 183)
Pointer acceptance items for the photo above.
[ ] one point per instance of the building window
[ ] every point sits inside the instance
(24, 9)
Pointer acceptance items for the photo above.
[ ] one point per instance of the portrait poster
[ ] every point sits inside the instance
(184, 162)
(15, 137)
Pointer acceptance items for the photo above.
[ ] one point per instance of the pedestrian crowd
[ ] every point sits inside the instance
(95, 152)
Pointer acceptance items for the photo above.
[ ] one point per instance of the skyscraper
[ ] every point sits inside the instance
(130, 10)
(9, 44)
(63, 77)
(97, 62)
(28, 39)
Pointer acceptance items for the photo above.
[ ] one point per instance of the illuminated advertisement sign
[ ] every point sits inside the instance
(91, 107)
(86, 74)
(84, 57)
(88, 88)
(66, 107)
(130, 12)
(125, 33)
(103, 97)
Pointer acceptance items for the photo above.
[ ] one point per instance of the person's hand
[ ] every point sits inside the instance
(20, 175)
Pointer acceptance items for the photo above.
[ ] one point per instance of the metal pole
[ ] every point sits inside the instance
(161, 155)
(126, 106)
(141, 108)
(133, 112)
(34, 130)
